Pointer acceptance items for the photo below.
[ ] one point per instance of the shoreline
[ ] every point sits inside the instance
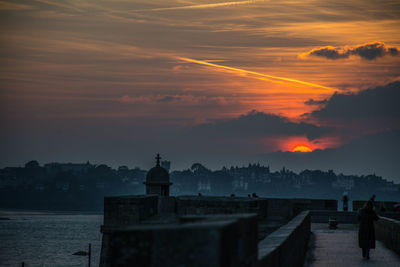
(27, 212)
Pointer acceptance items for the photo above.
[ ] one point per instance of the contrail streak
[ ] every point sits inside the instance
(200, 6)
(201, 62)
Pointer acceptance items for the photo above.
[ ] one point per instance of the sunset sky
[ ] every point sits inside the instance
(214, 82)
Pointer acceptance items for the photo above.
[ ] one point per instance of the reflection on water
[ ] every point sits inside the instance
(49, 240)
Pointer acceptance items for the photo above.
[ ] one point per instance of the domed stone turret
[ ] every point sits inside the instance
(157, 180)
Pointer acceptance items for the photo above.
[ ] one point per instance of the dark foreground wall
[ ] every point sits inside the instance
(388, 231)
(220, 241)
(286, 247)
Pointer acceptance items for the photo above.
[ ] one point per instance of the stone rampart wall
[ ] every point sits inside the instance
(286, 247)
(130, 210)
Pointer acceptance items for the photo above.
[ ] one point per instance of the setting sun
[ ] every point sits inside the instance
(302, 149)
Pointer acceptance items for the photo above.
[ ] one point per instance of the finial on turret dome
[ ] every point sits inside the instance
(158, 159)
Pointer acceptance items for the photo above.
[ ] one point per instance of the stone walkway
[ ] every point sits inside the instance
(339, 248)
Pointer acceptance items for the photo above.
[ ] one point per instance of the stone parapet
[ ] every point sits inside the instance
(286, 247)
(388, 231)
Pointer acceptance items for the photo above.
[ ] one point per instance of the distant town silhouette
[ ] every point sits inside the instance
(82, 186)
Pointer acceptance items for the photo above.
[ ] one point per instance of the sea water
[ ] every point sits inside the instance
(49, 240)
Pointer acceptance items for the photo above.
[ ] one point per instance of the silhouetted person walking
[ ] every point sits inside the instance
(366, 231)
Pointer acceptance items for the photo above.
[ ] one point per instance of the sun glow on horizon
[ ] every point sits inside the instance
(302, 148)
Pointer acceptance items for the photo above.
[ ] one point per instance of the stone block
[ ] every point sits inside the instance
(246, 232)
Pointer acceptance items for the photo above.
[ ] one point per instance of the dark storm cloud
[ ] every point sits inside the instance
(257, 125)
(368, 51)
(329, 53)
(373, 50)
(312, 102)
(380, 102)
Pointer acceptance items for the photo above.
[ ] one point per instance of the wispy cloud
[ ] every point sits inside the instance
(14, 6)
(201, 6)
(271, 78)
(186, 99)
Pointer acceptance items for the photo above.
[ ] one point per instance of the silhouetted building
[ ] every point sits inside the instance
(68, 167)
(157, 180)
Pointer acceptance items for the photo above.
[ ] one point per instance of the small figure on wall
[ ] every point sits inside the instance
(345, 201)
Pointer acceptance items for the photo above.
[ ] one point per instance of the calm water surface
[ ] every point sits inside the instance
(49, 240)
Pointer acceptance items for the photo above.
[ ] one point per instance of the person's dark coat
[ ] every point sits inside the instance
(366, 231)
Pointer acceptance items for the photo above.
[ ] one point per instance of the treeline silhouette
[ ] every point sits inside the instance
(82, 187)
